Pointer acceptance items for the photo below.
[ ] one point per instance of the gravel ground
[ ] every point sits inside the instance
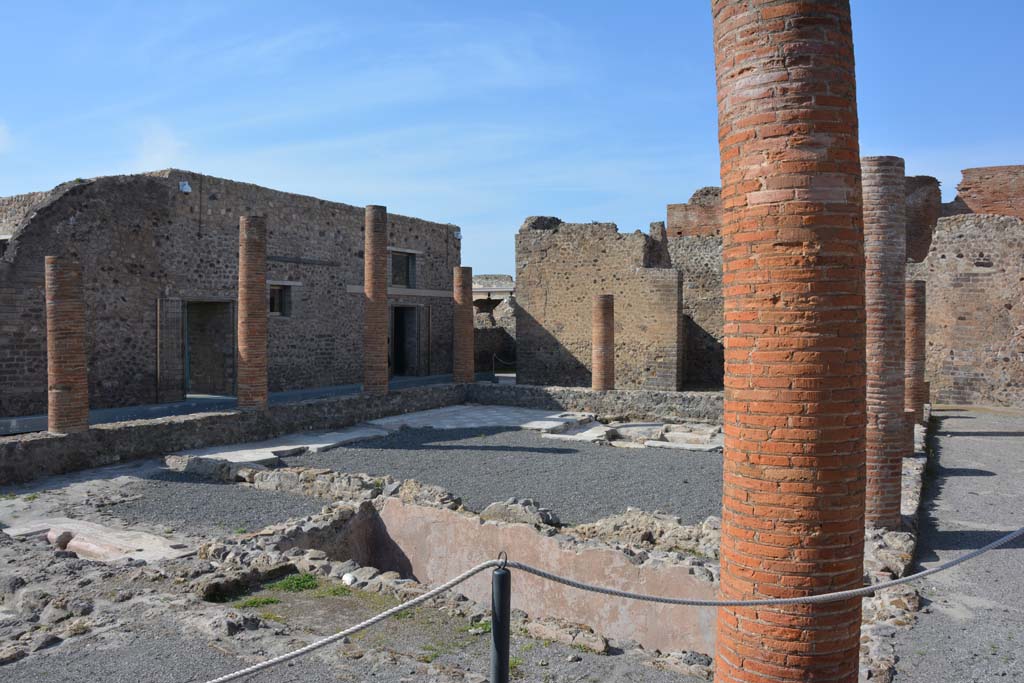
(196, 507)
(581, 482)
(153, 651)
(973, 629)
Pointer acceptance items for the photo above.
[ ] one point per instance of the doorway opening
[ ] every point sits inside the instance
(210, 348)
(404, 347)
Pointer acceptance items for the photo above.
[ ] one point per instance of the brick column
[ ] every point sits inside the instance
(885, 258)
(793, 288)
(252, 312)
(602, 352)
(914, 396)
(375, 306)
(66, 363)
(462, 340)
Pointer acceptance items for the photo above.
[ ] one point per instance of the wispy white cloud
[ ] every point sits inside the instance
(159, 147)
(5, 137)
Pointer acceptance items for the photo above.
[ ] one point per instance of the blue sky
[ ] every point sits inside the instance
(479, 114)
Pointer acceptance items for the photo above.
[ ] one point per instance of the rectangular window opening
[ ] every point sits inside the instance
(403, 269)
(279, 300)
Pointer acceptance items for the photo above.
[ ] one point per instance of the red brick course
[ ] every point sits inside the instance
(66, 364)
(252, 312)
(885, 256)
(793, 285)
(603, 345)
(993, 189)
(462, 351)
(915, 393)
(375, 308)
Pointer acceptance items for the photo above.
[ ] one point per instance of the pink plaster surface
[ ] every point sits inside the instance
(440, 544)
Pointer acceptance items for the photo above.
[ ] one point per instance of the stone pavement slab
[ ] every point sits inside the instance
(98, 542)
(473, 416)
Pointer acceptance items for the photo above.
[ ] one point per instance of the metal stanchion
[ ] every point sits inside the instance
(501, 612)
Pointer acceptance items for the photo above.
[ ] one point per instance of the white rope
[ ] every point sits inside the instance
(807, 599)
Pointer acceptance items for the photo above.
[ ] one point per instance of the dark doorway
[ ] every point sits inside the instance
(404, 348)
(210, 347)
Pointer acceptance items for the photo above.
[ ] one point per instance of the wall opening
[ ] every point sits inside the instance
(404, 341)
(210, 348)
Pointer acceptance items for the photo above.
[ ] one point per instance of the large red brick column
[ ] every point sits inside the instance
(916, 393)
(252, 312)
(375, 306)
(602, 352)
(885, 257)
(66, 363)
(462, 339)
(793, 284)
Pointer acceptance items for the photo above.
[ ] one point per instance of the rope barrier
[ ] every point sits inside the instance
(503, 562)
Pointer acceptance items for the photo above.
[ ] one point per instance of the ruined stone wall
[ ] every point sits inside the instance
(140, 240)
(923, 208)
(559, 268)
(700, 217)
(698, 258)
(494, 334)
(975, 310)
(993, 189)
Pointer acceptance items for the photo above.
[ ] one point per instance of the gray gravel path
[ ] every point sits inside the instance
(199, 507)
(152, 652)
(974, 627)
(580, 481)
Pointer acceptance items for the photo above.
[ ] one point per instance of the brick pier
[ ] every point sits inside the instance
(885, 256)
(462, 342)
(66, 362)
(252, 312)
(602, 352)
(793, 286)
(375, 307)
(916, 392)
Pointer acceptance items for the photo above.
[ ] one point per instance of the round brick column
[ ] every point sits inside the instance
(885, 257)
(66, 363)
(602, 352)
(908, 432)
(252, 312)
(793, 287)
(375, 306)
(915, 394)
(462, 339)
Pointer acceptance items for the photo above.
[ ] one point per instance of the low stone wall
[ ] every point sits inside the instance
(660, 406)
(31, 456)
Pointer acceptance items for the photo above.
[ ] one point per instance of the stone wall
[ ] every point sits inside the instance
(32, 456)
(975, 310)
(559, 268)
(698, 258)
(993, 189)
(700, 217)
(144, 244)
(621, 405)
(494, 330)
(923, 208)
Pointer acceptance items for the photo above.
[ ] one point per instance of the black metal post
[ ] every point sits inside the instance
(501, 609)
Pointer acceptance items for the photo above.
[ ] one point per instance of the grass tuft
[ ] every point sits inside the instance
(295, 583)
(257, 601)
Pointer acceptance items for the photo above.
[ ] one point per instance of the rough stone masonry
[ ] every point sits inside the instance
(793, 284)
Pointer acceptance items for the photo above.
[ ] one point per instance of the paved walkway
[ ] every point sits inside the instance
(201, 403)
(973, 626)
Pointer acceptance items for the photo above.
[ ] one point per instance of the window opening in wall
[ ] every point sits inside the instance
(279, 300)
(403, 269)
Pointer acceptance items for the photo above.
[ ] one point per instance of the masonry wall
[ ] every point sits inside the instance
(993, 189)
(975, 307)
(142, 241)
(559, 268)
